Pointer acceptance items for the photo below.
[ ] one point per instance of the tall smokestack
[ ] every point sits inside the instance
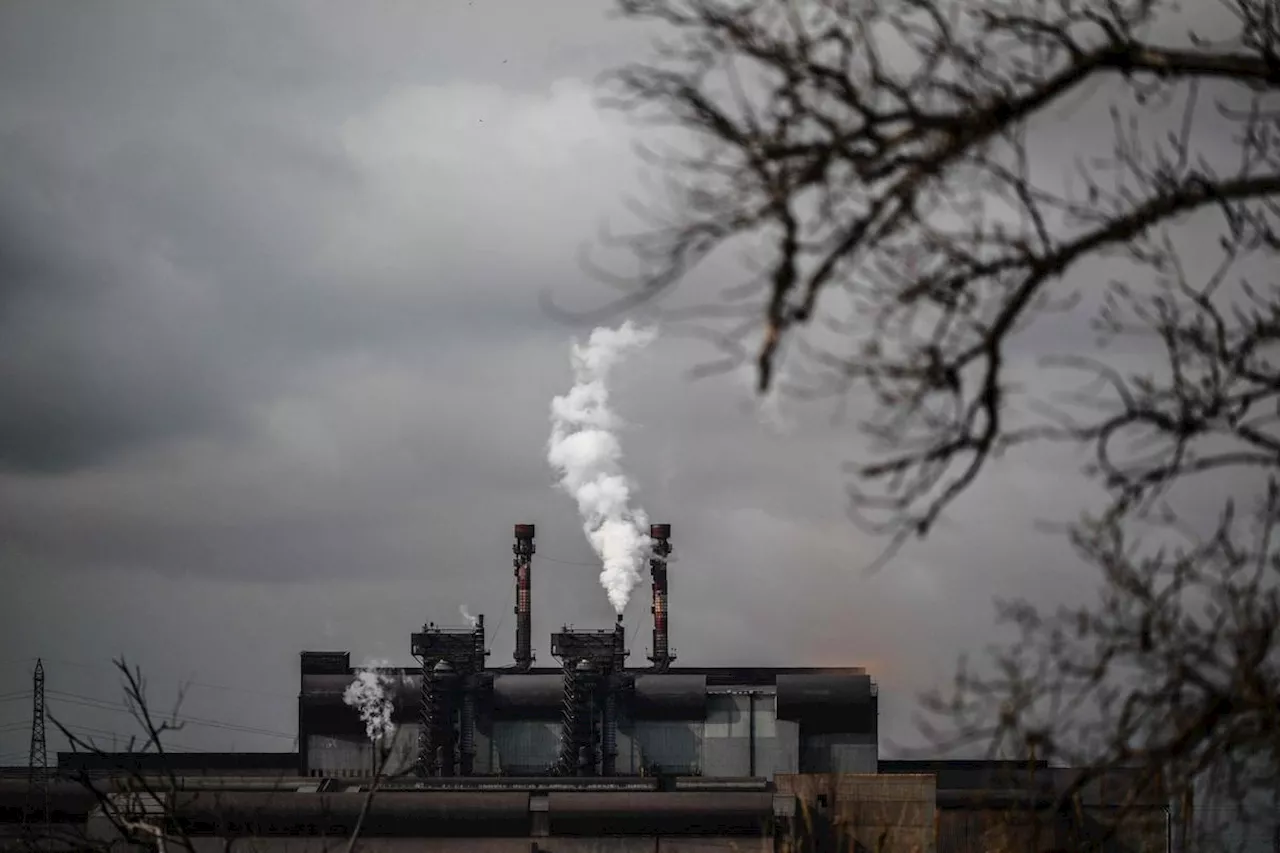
(661, 536)
(524, 551)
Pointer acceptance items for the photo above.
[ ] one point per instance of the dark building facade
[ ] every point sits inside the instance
(713, 722)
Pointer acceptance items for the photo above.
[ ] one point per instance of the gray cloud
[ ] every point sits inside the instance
(273, 373)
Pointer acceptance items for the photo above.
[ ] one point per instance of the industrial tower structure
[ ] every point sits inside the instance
(38, 761)
(452, 678)
(589, 717)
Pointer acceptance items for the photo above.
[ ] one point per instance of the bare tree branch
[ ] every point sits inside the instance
(900, 152)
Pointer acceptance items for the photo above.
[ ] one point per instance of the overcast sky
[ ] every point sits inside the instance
(274, 375)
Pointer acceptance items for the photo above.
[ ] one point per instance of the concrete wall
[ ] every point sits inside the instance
(838, 753)
(891, 814)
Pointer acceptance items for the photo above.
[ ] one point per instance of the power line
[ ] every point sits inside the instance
(202, 684)
(102, 704)
(568, 562)
(195, 721)
(38, 762)
(134, 738)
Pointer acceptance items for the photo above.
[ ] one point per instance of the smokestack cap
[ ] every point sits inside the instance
(659, 531)
(524, 531)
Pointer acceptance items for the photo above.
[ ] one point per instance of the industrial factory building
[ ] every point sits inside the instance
(592, 715)
(593, 754)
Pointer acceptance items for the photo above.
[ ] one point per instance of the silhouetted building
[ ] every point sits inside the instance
(589, 755)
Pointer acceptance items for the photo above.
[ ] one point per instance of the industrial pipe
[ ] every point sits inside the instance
(390, 813)
(524, 550)
(803, 696)
(69, 802)
(682, 813)
(523, 695)
(668, 696)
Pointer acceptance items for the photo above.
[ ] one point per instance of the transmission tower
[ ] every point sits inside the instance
(38, 764)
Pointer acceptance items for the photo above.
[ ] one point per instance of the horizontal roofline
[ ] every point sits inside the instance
(674, 670)
(717, 676)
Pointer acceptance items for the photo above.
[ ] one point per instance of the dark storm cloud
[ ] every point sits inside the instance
(169, 172)
(269, 336)
(273, 373)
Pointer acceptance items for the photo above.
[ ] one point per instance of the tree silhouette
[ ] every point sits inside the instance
(891, 165)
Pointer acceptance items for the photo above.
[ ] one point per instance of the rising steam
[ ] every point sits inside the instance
(473, 621)
(371, 695)
(585, 452)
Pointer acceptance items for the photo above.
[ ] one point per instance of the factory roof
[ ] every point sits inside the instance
(339, 663)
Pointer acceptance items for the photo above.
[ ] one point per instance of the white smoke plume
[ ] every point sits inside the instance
(371, 694)
(473, 621)
(586, 453)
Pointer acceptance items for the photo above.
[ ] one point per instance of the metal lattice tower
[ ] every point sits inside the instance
(38, 763)
(568, 759)
(427, 717)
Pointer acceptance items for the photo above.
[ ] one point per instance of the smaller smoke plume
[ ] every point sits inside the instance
(588, 456)
(473, 621)
(371, 695)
